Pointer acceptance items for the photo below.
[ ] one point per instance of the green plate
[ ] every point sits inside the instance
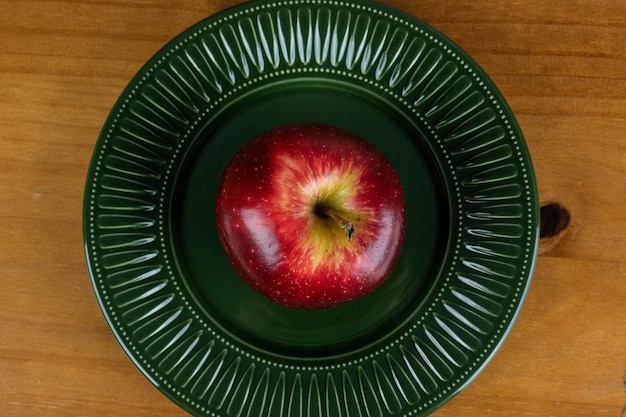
(169, 294)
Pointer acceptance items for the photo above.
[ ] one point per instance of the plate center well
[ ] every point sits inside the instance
(254, 320)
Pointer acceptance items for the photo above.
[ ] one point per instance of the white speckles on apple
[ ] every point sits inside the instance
(314, 219)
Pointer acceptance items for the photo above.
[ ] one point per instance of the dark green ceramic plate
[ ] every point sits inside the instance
(165, 286)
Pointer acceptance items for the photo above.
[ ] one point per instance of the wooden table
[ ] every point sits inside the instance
(560, 64)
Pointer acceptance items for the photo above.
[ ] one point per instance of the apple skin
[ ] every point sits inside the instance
(311, 216)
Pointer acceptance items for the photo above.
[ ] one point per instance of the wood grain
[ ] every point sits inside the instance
(560, 64)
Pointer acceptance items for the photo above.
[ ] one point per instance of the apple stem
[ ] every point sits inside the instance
(350, 230)
(346, 225)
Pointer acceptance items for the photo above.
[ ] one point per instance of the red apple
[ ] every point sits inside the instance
(311, 216)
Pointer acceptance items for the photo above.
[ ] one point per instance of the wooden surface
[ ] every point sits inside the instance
(560, 64)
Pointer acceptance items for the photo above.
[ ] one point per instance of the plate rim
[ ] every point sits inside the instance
(232, 13)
